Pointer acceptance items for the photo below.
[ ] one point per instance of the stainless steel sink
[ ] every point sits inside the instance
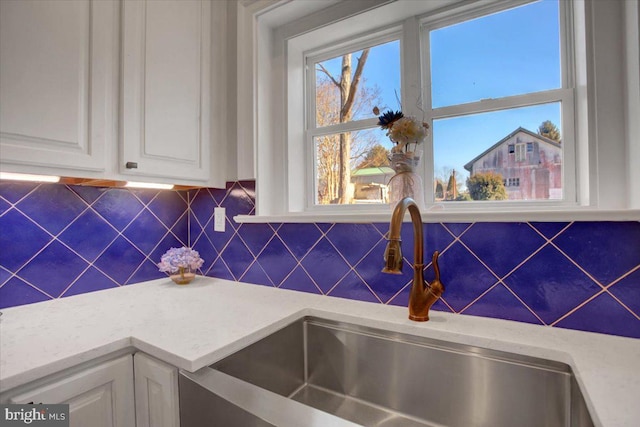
(316, 372)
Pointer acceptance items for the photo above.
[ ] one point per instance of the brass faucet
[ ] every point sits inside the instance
(423, 294)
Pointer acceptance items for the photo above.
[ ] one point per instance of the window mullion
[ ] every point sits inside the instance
(425, 91)
(413, 101)
(343, 127)
(488, 105)
(309, 93)
(410, 54)
(309, 154)
(567, 49)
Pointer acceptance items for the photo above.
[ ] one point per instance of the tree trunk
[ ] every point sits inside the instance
(345, 138)
(348, 91)
(348, 87)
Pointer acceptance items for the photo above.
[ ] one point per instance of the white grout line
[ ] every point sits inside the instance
(624, 276)
(622, 304)
(577, 307)
(257, 265)
(479, 297)
(597, 282)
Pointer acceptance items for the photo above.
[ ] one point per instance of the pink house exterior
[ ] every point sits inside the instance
(530, 165)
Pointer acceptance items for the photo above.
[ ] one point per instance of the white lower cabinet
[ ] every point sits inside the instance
(130, 390)
(156, 385)
(99, 396)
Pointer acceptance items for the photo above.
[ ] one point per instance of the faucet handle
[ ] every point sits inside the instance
(436, 285)
(434, 262)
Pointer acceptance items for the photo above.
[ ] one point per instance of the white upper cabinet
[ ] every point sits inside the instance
(165, 110)
(89, 86)
(56, 83)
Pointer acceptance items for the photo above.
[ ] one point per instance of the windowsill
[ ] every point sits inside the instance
(564, 215)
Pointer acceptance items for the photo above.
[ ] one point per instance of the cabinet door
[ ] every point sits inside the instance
(57, 65)
(157, 400)
(166, 88)
(101, 396)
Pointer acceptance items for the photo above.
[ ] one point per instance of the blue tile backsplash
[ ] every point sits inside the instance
(59, 240)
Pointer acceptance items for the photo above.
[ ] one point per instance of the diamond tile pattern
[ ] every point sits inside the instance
(539, 273)
(500, 302)
(88, 235)
(551, 285)
(370, 267)
(55, 268)
(502, 246)
(60, 240)
(464, 276)
(48, 197)
(595, 245)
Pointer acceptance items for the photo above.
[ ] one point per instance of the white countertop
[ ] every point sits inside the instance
(195, 325)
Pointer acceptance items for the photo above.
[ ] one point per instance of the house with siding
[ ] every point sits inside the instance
(371, 184)
(530, 165)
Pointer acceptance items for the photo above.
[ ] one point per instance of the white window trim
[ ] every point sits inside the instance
(606, 152)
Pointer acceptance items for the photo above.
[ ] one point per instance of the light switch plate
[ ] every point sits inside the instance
(219, 217)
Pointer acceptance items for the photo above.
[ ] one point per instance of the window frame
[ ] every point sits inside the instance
(413, 34)
(312, 130)
(565, 95)
(270, 35)
(521, 152)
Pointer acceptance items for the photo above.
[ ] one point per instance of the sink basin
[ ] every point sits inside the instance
(321, 372)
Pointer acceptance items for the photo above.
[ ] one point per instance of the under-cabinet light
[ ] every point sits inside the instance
(28, 177)
(154, 185)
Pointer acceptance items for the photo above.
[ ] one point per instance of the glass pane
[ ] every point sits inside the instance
(513, 52)
(513, 154)
(367, 173)
(378, 84)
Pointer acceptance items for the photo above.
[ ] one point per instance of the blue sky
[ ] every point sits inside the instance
(509, 53)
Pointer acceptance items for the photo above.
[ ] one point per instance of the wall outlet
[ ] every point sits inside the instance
(219, 219)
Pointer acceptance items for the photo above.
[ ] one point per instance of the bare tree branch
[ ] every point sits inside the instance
(326, 72)
(355, 82)
(337, 154)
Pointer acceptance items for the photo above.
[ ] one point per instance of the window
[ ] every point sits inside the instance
(484, 85)
(492, 83)
(520, 153)
(281, 138)
(350, 153)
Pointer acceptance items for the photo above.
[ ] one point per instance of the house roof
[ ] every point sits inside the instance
(497, 144)
(381, 170)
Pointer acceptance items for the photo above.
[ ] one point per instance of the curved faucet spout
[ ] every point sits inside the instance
(423, 295)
